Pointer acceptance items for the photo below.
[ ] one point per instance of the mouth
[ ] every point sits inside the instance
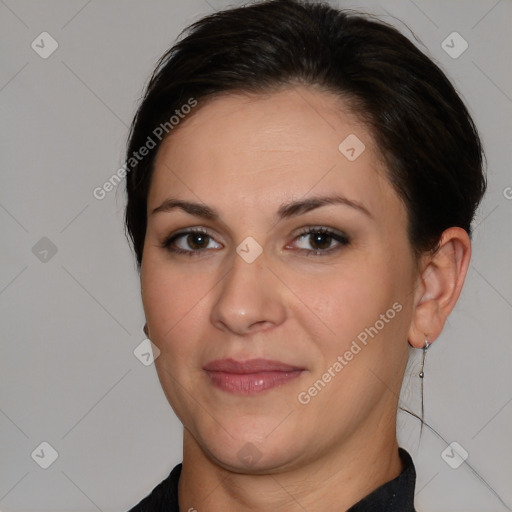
(250, 377)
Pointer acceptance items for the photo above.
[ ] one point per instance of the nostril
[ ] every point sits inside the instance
(262, 325)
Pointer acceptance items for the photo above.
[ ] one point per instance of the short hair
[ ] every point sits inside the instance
(422, 129)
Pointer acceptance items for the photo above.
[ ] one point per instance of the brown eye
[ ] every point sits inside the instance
(191, 242)
(197, 240)
(319, 241)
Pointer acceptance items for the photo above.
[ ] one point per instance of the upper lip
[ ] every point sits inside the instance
(249, 366)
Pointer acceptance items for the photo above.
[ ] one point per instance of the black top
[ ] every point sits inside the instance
(394, 496)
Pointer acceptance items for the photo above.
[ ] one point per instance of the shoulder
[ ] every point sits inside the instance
(163, 497)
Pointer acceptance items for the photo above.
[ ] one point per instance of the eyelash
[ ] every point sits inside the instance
(341, 238)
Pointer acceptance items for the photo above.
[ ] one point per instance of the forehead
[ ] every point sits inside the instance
(244, 150)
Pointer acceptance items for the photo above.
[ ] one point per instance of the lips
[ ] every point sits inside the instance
(250, 366)
(250, 377)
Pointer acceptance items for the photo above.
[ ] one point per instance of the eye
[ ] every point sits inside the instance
(321, 240)
(190, 242)
(316, 241)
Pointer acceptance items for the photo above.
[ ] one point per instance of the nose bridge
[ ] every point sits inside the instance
(249, 296)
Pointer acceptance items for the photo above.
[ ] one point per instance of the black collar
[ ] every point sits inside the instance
(397, 495)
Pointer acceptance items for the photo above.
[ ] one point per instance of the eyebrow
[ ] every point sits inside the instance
(287, 210)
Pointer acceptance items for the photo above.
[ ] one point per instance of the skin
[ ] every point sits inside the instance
(245, 156)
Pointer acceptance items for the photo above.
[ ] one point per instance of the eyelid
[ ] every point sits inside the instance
(321, 229)
(192, 229)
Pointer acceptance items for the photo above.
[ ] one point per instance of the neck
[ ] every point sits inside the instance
(344, 476)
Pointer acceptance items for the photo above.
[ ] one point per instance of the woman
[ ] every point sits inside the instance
(301, 185)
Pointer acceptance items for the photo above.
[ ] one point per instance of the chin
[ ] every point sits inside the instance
(251, 459)
(252, 449)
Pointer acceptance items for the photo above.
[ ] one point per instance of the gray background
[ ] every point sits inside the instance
(71, 320)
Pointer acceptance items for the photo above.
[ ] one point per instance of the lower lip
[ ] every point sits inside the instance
(251, 383)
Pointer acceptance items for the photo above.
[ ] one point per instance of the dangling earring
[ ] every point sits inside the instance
(421, 376)
(427, 344)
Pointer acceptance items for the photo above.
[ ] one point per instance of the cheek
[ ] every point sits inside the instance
(346, 299)
(175, 305)
(358, 311)
(172, 302)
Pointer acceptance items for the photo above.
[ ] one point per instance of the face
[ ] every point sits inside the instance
(276, 280)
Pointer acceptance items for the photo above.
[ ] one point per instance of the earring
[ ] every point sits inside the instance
(427, 344)
(421, 376)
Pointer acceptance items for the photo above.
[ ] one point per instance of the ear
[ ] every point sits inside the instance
(441, 278)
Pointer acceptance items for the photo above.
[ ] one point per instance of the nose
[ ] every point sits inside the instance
(250, 298)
